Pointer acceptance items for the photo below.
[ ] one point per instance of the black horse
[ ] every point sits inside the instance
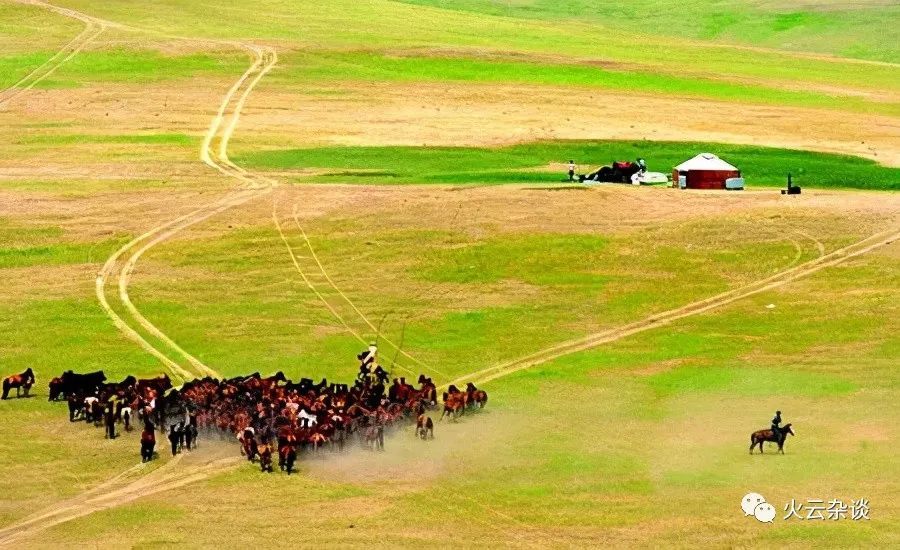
(21, 382)
(73, 383)
(761, 436)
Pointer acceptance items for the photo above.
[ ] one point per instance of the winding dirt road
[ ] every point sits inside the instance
(120, 266)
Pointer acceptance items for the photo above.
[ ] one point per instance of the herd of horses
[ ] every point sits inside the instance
(267, 415)
(273, 413)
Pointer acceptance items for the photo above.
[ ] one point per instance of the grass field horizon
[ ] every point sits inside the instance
(268, 187)
(541, 162)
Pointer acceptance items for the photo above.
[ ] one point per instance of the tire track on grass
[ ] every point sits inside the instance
(250, 187)
(164, 478)
(782, 278)
(93, 29)
(399, 350)
(150, 484)
(303, 275)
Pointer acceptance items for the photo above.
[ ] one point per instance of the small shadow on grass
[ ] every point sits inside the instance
(362, 174)
(558, 188)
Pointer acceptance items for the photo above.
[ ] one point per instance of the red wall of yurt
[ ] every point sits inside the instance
(710, 179)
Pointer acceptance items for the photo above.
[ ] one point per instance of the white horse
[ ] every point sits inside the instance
(307, 420)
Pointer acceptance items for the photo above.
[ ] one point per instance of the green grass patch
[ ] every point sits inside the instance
(37, 332)
(139, 67)
(471, 165)
(23, 235)
(57, 253)
(140, 139)
(15, 67)
(614, 34)
(747, 381)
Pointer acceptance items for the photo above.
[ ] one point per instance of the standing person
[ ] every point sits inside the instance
(188, 436)
(89, 410)
(158, 407)
(181, 435)
(126, 418)
(191, 433)
(367, 359)
(571, 170)
(109, 419)
(74, 406)
(174, 438)
(148, 441)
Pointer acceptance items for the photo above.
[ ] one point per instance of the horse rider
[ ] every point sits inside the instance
(776, 425)
(369, 356)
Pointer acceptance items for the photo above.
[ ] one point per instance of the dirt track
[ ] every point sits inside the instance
(121, 265)
(702, 306)
(92, 29)
(250, 188)
(320, 270)
(122, 489)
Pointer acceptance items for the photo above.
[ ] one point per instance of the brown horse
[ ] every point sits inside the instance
(316, 440)
(454, 404)
(249, 447)
(761, 436)
(477, 398)
(424, 427)
(22, 381)
(374, 437)
(265, 457)
(287, 453)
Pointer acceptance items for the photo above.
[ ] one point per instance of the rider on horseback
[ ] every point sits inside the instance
(776, 425)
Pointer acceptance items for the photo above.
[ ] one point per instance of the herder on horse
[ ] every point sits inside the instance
(776, 434)
(776, 425)
(368, 359)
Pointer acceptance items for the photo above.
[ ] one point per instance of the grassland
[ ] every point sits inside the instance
(412, 66)
(531, 163)
(629, 441)
(845, 28)
(638, 442)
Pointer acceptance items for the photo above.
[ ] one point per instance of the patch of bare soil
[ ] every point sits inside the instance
(448, 114)
(604, 209)
(101, 215)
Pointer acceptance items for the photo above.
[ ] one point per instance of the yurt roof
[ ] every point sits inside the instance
(704, 161)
